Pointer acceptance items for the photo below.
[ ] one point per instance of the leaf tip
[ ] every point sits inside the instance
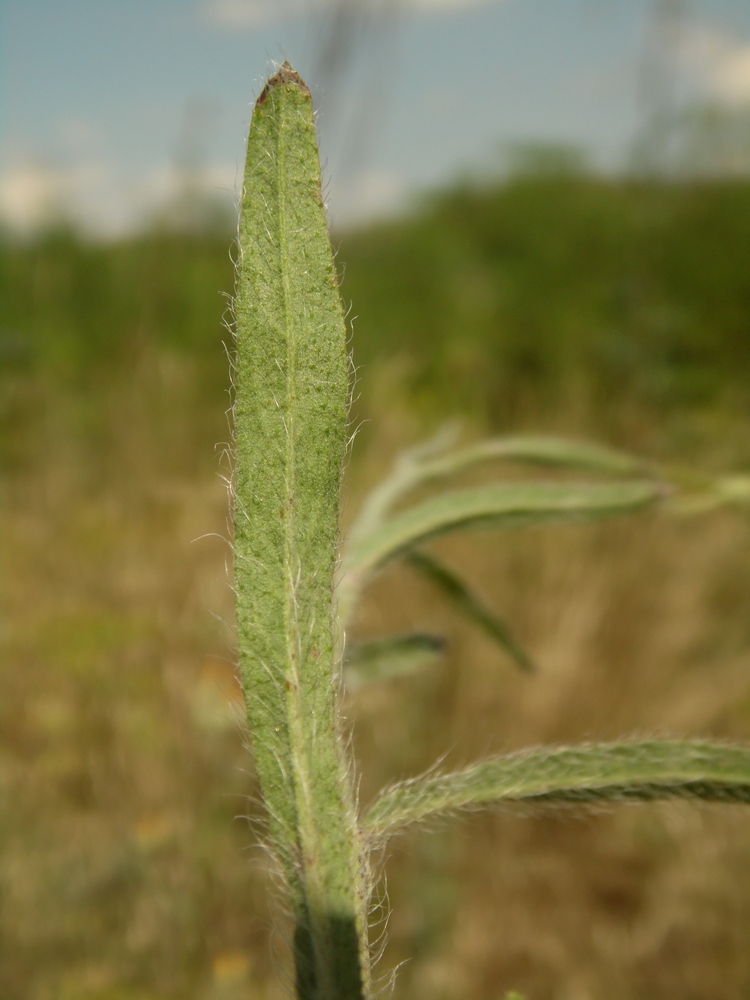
(284, 75)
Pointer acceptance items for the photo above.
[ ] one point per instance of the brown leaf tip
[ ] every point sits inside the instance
(284, 74)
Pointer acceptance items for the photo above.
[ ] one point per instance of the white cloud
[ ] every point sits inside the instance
(99, 197)
(368, 195)
(235, 14)
(718, 62)
(31, 194)
(250, 14)
(732, 78)
(438, 6)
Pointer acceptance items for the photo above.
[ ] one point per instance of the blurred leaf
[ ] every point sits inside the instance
(396, 656)
(646, 771)
(454, 588)
(495, 506)
(538, 450)
(417, 466)
(406, 473)
(734, 489)
(701, 494)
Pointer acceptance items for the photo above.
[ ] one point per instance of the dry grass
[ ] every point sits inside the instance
(122, 767)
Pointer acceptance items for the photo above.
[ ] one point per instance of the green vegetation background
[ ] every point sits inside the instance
(617, 311)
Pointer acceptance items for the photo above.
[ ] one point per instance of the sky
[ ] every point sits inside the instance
(110, 108)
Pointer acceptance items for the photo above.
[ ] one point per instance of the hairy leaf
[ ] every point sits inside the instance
(291, 392)
(640, 771)
(430, 460)
(494, 506)
(537, 450)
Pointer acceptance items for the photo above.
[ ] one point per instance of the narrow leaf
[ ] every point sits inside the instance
(291, 392)
(625, 771)
(395, 656)
(420, 465)
(538, 450)
(469, 604)
(496, 506)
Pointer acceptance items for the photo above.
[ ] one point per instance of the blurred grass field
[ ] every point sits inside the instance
(614, 311)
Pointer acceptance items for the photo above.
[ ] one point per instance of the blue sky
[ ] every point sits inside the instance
(103, 100)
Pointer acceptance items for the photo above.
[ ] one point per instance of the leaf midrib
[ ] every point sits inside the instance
(294, 690)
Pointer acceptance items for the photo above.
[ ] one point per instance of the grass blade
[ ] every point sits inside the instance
(646, 771)
(454, 588)
(395, 656)
(291, 393)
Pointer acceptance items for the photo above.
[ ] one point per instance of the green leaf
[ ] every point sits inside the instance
(538, 450)
(493, 506)
(713, 772)
(469, 604)
(425, 463)
(291, 394)
(395, 656)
